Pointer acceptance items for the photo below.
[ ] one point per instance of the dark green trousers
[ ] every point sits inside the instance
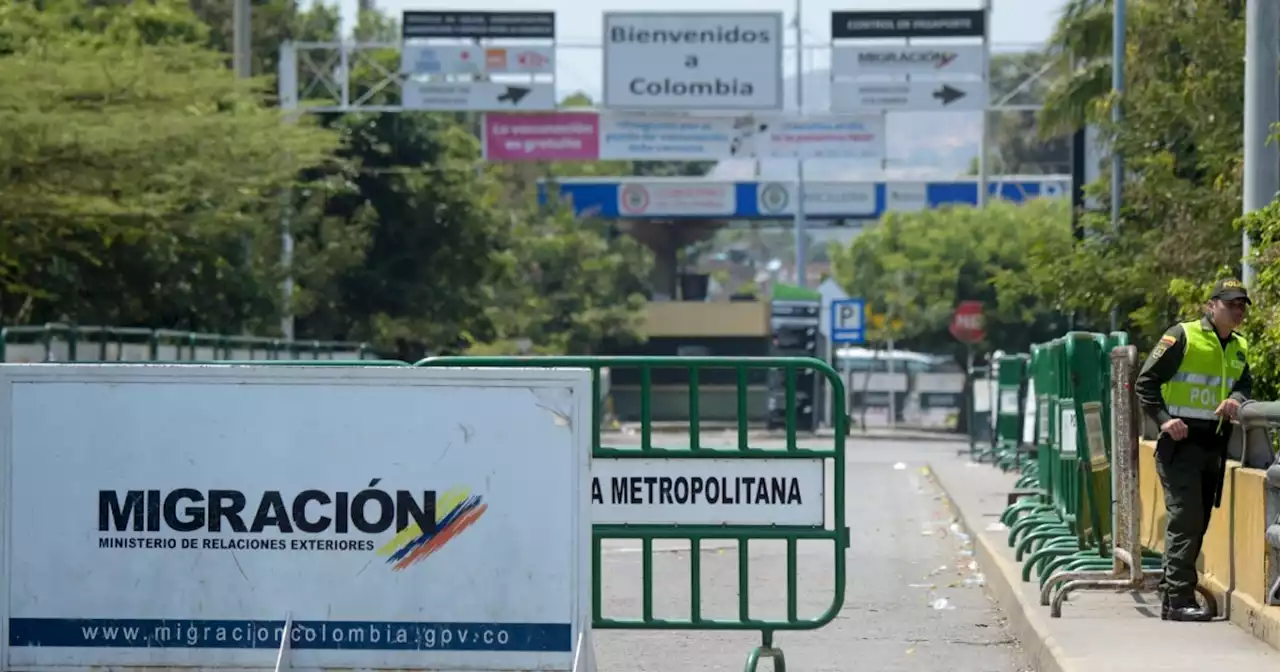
(1191, 474)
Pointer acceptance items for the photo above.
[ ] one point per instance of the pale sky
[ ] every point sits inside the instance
(1015, 24)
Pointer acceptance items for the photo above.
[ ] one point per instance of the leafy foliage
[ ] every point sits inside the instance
(1180, 136)
(916, 267)
(141, 184)
(138, 173)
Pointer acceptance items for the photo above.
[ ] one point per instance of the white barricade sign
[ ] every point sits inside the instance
(707, 491)
(394, 517)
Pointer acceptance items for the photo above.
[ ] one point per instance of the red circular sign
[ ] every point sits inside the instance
(967, 323)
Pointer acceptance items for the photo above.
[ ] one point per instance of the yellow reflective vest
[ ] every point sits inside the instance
(1206, 375)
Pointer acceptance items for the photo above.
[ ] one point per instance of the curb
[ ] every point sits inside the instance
(1027, 620)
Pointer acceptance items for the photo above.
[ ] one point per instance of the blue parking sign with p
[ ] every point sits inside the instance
(848, 321)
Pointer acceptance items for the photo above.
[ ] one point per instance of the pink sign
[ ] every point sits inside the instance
(552, 136)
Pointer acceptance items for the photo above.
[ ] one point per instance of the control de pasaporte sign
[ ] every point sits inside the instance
(693, 60)
(878, 24)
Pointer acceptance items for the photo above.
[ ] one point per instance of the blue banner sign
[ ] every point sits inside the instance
(695, 198)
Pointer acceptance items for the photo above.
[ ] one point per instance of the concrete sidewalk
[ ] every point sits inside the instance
(1098, 630)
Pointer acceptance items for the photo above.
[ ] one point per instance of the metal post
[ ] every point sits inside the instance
(970, 416)
(288, 89)
(1261, 109)
(801, 253)
(242, 30)
(893, 393)
(984, 179)
(1117, 161)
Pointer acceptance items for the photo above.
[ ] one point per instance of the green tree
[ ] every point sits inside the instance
(915, 268)
(1181, 138)
(570, 285)
(141, 180)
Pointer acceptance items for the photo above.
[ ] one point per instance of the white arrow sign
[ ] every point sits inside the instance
(478, 96)
(915, 96)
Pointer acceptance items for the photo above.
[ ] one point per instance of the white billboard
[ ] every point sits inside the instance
(821, 199)
(683, 137)
(693, 60)
(679, 198)
(951, 62)
(184, 514)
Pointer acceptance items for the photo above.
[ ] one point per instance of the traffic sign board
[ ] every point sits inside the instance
(478, 96)
(422, 24)
(906, 25)
(967, 323)
(453, 59)
(913, 96)
(956, 61)
(699, 198)
(693, 60)
(847, 321)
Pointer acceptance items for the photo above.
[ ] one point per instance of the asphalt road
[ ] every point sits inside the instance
(914, 599)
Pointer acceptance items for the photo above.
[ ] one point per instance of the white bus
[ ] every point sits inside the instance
(901, 388)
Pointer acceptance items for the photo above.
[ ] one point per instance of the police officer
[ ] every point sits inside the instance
(1192, 385)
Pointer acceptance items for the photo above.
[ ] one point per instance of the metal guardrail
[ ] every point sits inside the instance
(66, 343)
(1266, 415)
(837, 533)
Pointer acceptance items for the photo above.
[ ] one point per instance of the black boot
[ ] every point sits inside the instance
(1182, 609)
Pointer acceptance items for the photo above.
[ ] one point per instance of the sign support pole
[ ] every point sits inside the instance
(801, 252)
(984, 149)
(1117, 159)
(1261, 109)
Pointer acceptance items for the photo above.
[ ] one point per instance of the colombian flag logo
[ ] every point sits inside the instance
(456, 510)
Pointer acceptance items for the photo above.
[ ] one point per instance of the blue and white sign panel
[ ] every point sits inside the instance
(448, 542)
(848, 321)
(701, 199)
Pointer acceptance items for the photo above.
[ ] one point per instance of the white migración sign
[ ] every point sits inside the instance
(416, 59)
(908, 96)
(478, 96)
(962, 62)
(708, 491)
(381, 509)
(693, 60)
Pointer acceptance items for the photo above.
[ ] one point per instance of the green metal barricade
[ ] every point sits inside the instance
(695, 368)
(1011, 374)
(1066, 525)
(979, 421)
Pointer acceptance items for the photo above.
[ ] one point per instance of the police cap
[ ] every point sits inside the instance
(1230, 289)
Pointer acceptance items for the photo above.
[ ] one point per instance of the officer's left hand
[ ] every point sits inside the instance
(1227, 408)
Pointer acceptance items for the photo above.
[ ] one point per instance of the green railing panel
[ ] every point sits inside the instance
(66, 343)
(1091, 385)
(1011, 373)
(837, 533)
